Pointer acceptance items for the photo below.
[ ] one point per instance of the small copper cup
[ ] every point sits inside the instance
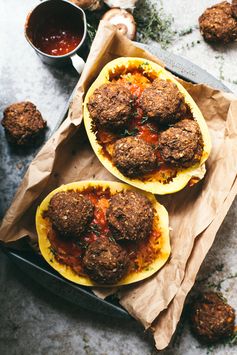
(40, 15)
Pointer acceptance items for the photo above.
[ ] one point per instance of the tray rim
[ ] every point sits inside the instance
(18, 257)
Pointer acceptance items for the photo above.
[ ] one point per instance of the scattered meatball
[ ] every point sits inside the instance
(105, 262)
(133, 157)
(163, 102)
(234, 8)
(110, 106)
(211, 318)
(182, 144)
(70, 213)
(22, 122)
(130, 216)
(217, 23)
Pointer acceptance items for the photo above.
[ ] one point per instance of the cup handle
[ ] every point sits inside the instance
(78, 63)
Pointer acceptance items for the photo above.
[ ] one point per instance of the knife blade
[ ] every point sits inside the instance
(183, 68)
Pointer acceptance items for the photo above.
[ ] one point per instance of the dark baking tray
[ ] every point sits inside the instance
(34, 265)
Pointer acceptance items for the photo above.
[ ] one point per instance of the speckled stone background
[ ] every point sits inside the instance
(34, 321)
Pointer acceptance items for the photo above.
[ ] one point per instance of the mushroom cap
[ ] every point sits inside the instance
(123, 20)
(91, 5)
(123, 4)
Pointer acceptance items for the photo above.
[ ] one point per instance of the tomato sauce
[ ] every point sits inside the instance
(70, 251)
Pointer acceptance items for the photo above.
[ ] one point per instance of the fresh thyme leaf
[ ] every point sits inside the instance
(152, 129)
(220, 267)
(222, 297)
(153, 23)
(144, 119)
(134, 113)
(91, 30)
(93, 18)
(53, 251)
(94, 228)
(185, 32)
(81, 244)
(233, 339)
(143, 65)
(132, 132)
(135, 266)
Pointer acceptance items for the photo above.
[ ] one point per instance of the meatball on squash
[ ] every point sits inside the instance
(159, 101)
(110, 106)
(163, 102)
(133, 157)
(70, 213)
(130, 216)
(102, 254)
(105, 262)
(181, 144)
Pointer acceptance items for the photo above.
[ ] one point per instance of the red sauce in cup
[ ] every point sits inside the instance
(56, 30)
(57, 37)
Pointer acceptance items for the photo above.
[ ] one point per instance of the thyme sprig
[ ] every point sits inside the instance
(153, 23)
(132, 132)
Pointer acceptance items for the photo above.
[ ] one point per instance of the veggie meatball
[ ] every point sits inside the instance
(217, 23)
(105, 262)
(211, 318)
(163, 102)
(182, 144)
(22, 122)
(70, 213)
(110, 106)
(133, 157)
(234, 8)
(130, 216)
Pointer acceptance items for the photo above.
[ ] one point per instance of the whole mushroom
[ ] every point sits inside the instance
(123, 20)
(91, 5)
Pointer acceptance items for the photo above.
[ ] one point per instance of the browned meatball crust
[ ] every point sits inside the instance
(217, 23)
(130, 216)
(110, 106)
(234, 8)
(105, 261)
(133, 157)
(211, 318)
(70, 213)
(22, 122)
(182, 144)
(163, 102)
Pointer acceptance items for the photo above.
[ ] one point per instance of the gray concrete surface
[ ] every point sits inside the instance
(34, 321)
